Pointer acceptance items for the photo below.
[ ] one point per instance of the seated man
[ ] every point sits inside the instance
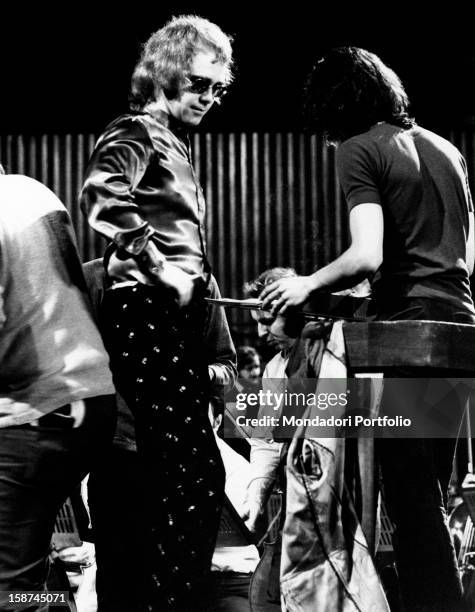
(282, 334)
(299, 356)
(321, 563)
(268, 455)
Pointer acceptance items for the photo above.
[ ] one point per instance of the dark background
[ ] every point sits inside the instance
(67, 69)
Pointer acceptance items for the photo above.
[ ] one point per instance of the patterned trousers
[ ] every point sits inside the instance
(157, 352)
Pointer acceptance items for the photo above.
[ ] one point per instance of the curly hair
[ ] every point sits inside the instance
(351, 89)
(253, 288)
(168, 53)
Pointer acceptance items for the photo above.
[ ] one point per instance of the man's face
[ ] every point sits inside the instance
(272, 329)
(189, 107)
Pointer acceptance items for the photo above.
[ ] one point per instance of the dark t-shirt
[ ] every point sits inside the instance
(420, 181)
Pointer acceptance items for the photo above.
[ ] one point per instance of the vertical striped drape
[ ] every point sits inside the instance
(273, 199)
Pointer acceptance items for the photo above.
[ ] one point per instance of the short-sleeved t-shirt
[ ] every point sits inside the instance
(420, 181)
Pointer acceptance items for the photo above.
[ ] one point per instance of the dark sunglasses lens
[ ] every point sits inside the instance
(219, 91)
(198, 85)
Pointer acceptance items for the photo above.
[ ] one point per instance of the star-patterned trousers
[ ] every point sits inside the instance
(158, 360)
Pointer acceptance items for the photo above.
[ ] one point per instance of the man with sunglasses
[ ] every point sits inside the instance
(140, 190)
(142, 194)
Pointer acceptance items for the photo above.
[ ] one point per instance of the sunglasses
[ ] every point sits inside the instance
(200, 85)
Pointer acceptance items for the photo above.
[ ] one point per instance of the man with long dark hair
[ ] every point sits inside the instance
(411, 224)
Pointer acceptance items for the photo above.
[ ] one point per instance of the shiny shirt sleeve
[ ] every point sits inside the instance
(117, 165)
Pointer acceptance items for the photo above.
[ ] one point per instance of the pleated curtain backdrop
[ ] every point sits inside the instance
(273, 199)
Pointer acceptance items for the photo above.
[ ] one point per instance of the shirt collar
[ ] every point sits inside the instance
(169, 122)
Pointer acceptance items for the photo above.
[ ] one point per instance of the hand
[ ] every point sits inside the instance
(17, 413)
(11, 407)
(83, 555)
(174, 277)
(165, 273)
(150, 259)
(285, 293)
(252, 512)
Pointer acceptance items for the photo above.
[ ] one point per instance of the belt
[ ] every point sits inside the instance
(68, 416)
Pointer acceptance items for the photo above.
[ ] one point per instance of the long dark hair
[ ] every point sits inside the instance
(351, 89)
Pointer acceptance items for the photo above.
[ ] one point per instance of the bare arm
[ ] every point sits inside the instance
(470, 244)
(360, 260)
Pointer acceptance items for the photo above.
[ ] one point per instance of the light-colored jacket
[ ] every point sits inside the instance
(326, 565)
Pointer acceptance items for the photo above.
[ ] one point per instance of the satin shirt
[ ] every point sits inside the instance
(140, 184)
